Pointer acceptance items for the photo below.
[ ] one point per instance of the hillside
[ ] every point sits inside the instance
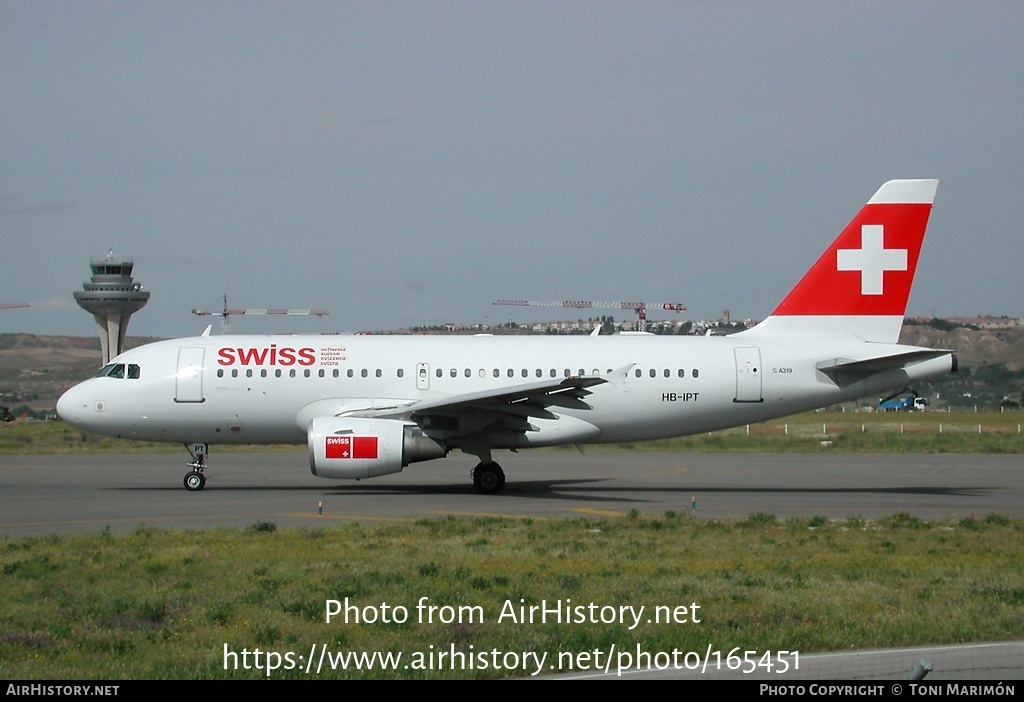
(974, 347)
(35, 370)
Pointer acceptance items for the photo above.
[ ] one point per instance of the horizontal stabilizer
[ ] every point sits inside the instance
(871, 366)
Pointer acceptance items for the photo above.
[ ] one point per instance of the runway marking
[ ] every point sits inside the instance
(600, 512)
(345, 517)
(142, 521)
(483, 514)
(137, 520)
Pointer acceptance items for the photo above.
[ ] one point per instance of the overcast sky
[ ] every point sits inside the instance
(403, 163)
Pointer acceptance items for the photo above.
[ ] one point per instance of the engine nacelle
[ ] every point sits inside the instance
(355, 448)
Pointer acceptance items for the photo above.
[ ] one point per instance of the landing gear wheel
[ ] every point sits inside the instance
(488, 478)
(195, 481)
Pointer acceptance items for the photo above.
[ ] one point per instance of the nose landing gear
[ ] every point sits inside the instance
(196, 478)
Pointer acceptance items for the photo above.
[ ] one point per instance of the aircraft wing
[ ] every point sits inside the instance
(508, 407)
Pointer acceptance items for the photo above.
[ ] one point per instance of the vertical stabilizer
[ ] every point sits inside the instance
(861, 284)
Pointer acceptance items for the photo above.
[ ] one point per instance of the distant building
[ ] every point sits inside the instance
(111, 297)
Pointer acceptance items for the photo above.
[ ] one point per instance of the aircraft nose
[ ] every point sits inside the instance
(72, 405)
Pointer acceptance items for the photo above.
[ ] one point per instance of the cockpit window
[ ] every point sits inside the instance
(111, 370)
(117, 370)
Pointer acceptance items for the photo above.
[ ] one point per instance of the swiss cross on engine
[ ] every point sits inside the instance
(351, 447)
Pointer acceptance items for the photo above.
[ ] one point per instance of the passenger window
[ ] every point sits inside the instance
(351, 372)
(248, 372)
(653, 372)
(305, 373)
(364, 373)
(695, 373)
(277, 373)
(682, 373)
(379, 373)
(667, 373)
(454, 373)
(321, 373)
(539, 373)
(638, 372)
(263, 373)
(496, 372)
(469, 373)
(291, 373)
(234, 372)
(336, 373)
(401, 373)
(438, 372)
(220, 372)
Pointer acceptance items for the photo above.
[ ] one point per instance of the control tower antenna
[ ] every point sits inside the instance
(111, 296)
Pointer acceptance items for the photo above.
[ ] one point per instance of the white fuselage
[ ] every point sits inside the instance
(266, 389)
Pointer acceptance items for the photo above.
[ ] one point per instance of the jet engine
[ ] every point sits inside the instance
(355, 448)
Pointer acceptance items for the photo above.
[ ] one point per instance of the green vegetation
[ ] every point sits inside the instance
(156, 604)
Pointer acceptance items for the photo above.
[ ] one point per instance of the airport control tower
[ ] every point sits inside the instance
(111, 297)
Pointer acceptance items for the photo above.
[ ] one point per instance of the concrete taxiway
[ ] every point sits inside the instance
(89, 493)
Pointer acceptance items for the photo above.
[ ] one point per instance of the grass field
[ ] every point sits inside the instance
(174, 604)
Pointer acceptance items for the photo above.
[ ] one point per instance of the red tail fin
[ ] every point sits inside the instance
(861, 284)
(868, 270)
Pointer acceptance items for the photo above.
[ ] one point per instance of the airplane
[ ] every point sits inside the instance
(368, 406)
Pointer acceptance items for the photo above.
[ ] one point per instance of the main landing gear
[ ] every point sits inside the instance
(196, 478)
(488, 478)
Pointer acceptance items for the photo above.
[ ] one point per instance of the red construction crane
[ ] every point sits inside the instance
(14, 306)
(639, 307)
(227, 313)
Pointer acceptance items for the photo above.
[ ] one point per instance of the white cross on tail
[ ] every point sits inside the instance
(871, 259)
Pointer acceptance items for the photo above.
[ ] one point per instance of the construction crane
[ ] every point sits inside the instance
(640, 308)
(227, 313)
(14, 306)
